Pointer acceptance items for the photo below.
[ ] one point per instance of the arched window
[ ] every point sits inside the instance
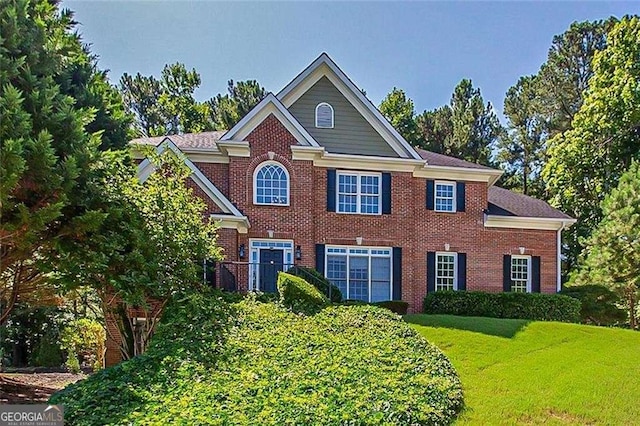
(271, 184)
(324, 116)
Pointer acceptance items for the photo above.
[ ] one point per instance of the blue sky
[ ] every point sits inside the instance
(425, 48)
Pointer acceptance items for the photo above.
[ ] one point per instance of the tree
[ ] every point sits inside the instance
(612, 254)
(227, 110)
(148, 243)
(586, 162)
(467, 128)
(51, 96)
(166, 106)
(521, 149)
(400, 112)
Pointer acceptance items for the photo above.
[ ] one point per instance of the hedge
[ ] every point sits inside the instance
(245, 363)
(300, 296)
(532, 306)
(599, 304)
(318, 280)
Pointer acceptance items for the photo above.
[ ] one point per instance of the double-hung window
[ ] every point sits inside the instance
(445, 196)
(446, 266)
(359, 193)
(521, 274)
(361, 273)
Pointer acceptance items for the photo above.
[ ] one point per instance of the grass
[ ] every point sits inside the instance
(517, 371)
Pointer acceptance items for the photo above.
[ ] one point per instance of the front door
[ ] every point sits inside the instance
(271, 262)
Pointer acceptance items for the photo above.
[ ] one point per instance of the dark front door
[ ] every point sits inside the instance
(271, 262)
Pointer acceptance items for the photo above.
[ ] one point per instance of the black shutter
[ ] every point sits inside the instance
(331, 190)
(460, 196)
(506, 272)
(320, 258)
(462, 271)
(386, 193)
(397, 273)
(210, 273)
(431, 272)
(535, 274)
(430, 194)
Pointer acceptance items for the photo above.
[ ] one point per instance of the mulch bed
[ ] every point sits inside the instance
(33, 388)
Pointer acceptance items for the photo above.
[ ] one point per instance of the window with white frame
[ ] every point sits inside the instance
(445, 197)
(271, 184)
(361, 273)
(359, 193)
(324, 116)
(520, 274)
(446, 277)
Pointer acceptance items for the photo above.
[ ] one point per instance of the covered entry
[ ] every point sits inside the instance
(268, 257)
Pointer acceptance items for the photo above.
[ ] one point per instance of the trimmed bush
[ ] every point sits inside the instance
(247, 363)
(599, 304)
(300, 296)
(398, 306)
(532, 306)
(316, 279)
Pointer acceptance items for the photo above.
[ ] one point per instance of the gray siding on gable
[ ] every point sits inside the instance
(351, 133)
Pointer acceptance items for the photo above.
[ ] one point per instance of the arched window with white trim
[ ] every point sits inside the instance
(271, 184)
(324, 116)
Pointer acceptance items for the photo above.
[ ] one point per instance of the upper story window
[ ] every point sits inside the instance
(271, 184)
(445, 196)
(521, 274)
(446, 271)
(324, 116)
(359, 193)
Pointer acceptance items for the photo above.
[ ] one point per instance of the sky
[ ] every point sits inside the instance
(424, 48)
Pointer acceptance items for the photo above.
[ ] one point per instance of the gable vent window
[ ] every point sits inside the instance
(324, 116)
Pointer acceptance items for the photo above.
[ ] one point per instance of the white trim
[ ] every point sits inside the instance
(255, 183)
(369, 255)
(254, 267)
(528, 258)
(146, 167)
(225, 221)
(435, 195)
(455, 268)
(235, 148)
(332, 116)
(269, 105)
(324, 66)
(521, 222)
(458, 173)
(358, 194)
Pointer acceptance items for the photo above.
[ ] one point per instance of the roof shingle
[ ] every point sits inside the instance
(203, 140)
(434, 159)
(503, 202)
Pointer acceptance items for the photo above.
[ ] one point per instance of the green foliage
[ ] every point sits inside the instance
(467, 128)
(598, 304)
(532, 306)
(539, 373)
(612, 253)
(252, 363)
(300, 296)
(400, 112)
(47, 353)
(227, 110)
(586, 162)
(398, 306)
(318, 280)
(84, 340)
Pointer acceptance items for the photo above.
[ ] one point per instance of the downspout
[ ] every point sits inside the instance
(559, 259)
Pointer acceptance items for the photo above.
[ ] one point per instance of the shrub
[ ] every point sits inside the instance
(532, 306)
(300, 296)
(84, 342)
(398, 306)
(257, 363)
(599, 304)
(316, 279)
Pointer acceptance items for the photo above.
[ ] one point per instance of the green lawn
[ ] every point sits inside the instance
(530, 372)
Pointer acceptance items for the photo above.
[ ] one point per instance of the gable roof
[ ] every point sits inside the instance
(503, 202)
(269, 105)
(231, 217)
(324, 66)
(202, 140)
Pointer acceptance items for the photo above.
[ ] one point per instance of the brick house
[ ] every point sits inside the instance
(316, 176)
